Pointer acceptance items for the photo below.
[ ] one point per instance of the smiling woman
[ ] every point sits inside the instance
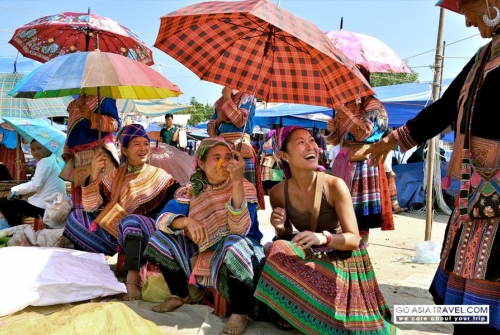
(120, 206)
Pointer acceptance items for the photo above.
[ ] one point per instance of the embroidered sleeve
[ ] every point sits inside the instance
(238, 116)
(239, 219)
(108, 123)
(91, 195)
(360, 128)
(404, 139)
(172, 211)
(211, 128)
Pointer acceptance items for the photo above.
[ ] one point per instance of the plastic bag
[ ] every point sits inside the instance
(57, 210)
(427, 252)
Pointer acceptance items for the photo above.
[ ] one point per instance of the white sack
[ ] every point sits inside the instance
(48, 276)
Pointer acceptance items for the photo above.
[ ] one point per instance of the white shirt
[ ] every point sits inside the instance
(45, 182)
(388, 161)
(334, 151)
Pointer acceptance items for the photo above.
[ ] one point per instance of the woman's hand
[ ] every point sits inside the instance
(278, 219)
(306, 239)
(196, 231)
(226, 93)
(379, 150)
(98, 164)
(236, 167)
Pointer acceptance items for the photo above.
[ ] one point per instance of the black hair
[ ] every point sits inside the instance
(169, 115)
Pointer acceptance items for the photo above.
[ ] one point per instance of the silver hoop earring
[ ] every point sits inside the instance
(492, 22)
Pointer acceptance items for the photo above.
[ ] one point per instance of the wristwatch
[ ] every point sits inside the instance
(328, 236)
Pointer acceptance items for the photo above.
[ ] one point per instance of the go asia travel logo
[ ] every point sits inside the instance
(473, 314)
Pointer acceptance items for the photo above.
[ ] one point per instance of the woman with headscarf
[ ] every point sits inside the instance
(120, 207)
(469, 271)
(355, 126)
(233, 120)
(210, 234)
(320, 280)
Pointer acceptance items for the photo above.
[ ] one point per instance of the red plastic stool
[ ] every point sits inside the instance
(120, 260)
(218, 303)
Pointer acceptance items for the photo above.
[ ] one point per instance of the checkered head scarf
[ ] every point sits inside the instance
(132, 131)
(280, 138)
(198, 178)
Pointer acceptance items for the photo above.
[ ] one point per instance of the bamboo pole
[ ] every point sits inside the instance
(431, 153)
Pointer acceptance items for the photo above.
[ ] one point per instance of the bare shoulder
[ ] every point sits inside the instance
(335, 187)
(277, 195)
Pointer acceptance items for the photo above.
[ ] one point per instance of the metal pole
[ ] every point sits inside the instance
(431, 143)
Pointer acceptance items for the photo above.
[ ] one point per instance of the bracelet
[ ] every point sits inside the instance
(328, 240)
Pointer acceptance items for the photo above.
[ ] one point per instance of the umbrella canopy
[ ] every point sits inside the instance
(33, 129)
(368, 51)
(27, 108)
(115, 76)
(259, 48)
(55, 35)
(176, 162)
(149, 107)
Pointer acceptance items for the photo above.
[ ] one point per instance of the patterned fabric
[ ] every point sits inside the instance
(368, 51)
(369, 191)
(100, 241)
(51, 36)
(242, 256)
(240, 112)
(28, 108)
(335, 294)
(142, 193)
(212, 207)
(132, 131)
(234, 236)
(299, 66)
(469, 270)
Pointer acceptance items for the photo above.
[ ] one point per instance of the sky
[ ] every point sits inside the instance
(409, 27)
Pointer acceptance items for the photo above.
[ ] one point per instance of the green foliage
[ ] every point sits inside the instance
(199, 112)
(386, 79)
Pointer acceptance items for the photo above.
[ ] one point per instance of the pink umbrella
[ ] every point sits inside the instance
(368, 51)
(176, 162)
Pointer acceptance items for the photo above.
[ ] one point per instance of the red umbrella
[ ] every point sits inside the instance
(368, 51)
(176, 162)
(60, 34)
(259, 48)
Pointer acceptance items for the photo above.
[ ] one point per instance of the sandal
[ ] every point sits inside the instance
(233, 328)
(132, 296)
(171, 304)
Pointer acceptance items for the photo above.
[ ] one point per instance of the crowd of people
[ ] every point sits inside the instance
(316, 276)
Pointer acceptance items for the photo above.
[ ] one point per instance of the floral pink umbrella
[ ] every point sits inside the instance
(368, 51)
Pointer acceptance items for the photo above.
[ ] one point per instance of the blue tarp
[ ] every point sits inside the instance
(409, 183)
(403, 102)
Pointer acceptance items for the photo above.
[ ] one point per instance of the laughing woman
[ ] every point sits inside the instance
(120, 208)
(321, 281)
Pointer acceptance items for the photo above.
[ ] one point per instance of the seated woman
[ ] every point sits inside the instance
(45, 183)
(216, 221)
(121, 207)
(334, 286)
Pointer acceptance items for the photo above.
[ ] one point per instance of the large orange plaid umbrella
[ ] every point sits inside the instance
(259, 48)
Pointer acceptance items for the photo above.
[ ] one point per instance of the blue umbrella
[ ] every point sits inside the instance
(41, 131)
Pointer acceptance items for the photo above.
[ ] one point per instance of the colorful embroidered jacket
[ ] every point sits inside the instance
(145, 192)
(238, 110)
(212, 207)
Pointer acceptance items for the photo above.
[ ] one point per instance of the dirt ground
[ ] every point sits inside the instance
(402, 281)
